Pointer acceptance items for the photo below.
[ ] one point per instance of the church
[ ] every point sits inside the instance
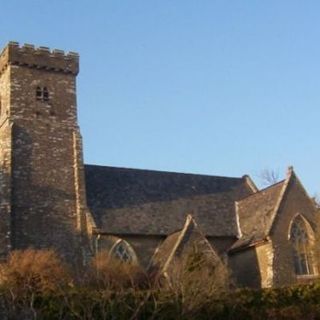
(50, 199)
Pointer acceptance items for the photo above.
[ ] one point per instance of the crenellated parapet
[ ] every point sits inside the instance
(39, 58)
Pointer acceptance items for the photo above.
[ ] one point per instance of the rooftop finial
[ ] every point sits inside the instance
(289, 171)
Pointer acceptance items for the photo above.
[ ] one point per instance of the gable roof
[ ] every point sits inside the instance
(257, 213)
(181, 243)
(133, 201)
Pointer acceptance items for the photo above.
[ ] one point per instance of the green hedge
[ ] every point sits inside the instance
(299, 302)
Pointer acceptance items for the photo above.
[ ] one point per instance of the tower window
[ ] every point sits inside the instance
(42, 94)
(45, 94)
(39, 93)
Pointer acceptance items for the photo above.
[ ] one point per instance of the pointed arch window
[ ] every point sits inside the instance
(123, 251)
(302, 238)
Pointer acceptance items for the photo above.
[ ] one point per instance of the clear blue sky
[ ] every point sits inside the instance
(203, 86)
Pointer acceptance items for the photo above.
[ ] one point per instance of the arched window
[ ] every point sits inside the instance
(123, 251)
(301, 237)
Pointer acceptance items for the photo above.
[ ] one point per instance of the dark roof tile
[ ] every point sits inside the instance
(132, 201)
(256, 214)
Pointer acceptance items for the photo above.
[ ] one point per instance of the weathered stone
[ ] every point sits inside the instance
(42, 177)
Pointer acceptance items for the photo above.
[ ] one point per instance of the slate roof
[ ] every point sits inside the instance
(256, 214)
(180, 243)
(164, 251)
(133, 201)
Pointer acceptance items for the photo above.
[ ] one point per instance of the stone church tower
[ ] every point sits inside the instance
(42, 192)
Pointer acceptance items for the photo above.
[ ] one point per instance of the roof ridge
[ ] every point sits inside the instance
(262, 190)
(166, 172)
(191, 198)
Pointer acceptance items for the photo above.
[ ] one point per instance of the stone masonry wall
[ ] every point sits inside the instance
(144, 247)
(5, 165)
(265, 261)
(295, 202)
(244, 268)
(48, 195)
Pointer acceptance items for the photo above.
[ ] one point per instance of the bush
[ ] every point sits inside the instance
(34, 271)
(106, 272)
(194, 280)
(37, 285)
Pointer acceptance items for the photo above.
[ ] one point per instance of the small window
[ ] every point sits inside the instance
(123, 251)
(39, 93)
(42, 94)
(45, 94)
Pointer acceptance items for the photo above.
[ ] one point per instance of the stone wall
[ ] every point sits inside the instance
(48, 197)
(265, 258)
(5, 165)
(244, 268)
(144, 246)
(271, 263)
(295, 201)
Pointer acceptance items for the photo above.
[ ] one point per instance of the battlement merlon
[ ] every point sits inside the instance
(39, 58)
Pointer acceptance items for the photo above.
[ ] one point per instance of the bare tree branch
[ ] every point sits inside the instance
(269, 177)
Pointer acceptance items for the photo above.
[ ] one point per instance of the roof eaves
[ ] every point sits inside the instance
(249, 245)
(97, 231)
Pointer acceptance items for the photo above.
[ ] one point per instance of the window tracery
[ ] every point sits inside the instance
(123, 251)
(301, 240)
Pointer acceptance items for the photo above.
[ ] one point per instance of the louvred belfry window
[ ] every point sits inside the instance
(42, 94)
(39, 93)
(45, 94)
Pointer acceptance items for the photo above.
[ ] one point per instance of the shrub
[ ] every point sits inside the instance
(195, 279)
(106, 272)
(34, 271)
